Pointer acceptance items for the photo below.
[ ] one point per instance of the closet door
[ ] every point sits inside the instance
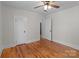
(20, 30)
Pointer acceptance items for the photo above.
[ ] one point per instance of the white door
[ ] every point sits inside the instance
(20, 30)
(48, 28)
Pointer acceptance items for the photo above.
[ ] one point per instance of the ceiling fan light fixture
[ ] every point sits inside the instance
(45, 7)
(49, 7)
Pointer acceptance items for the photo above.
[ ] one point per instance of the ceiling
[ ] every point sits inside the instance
(29, 5)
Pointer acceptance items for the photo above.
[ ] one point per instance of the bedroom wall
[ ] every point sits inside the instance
(33, 26)
(66, 27)
(0, 27)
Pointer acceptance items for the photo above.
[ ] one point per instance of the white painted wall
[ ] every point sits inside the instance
(66, 27)
(0, 28)
(32, 26)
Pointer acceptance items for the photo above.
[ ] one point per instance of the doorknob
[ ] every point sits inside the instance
(24, 31)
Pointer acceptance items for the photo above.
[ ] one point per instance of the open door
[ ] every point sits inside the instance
(48, 28)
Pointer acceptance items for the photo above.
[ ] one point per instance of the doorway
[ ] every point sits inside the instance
(40, 30)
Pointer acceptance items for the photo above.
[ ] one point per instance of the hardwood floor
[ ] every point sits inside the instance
(40, 49)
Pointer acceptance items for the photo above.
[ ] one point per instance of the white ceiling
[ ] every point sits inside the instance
(29, 5)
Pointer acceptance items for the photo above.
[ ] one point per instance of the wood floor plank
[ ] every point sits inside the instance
(40, 49)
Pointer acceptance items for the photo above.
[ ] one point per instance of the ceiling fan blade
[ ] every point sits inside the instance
(55, 6)
(45, 2)
(38, 6)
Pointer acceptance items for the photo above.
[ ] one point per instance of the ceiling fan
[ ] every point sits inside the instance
(48, 5)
